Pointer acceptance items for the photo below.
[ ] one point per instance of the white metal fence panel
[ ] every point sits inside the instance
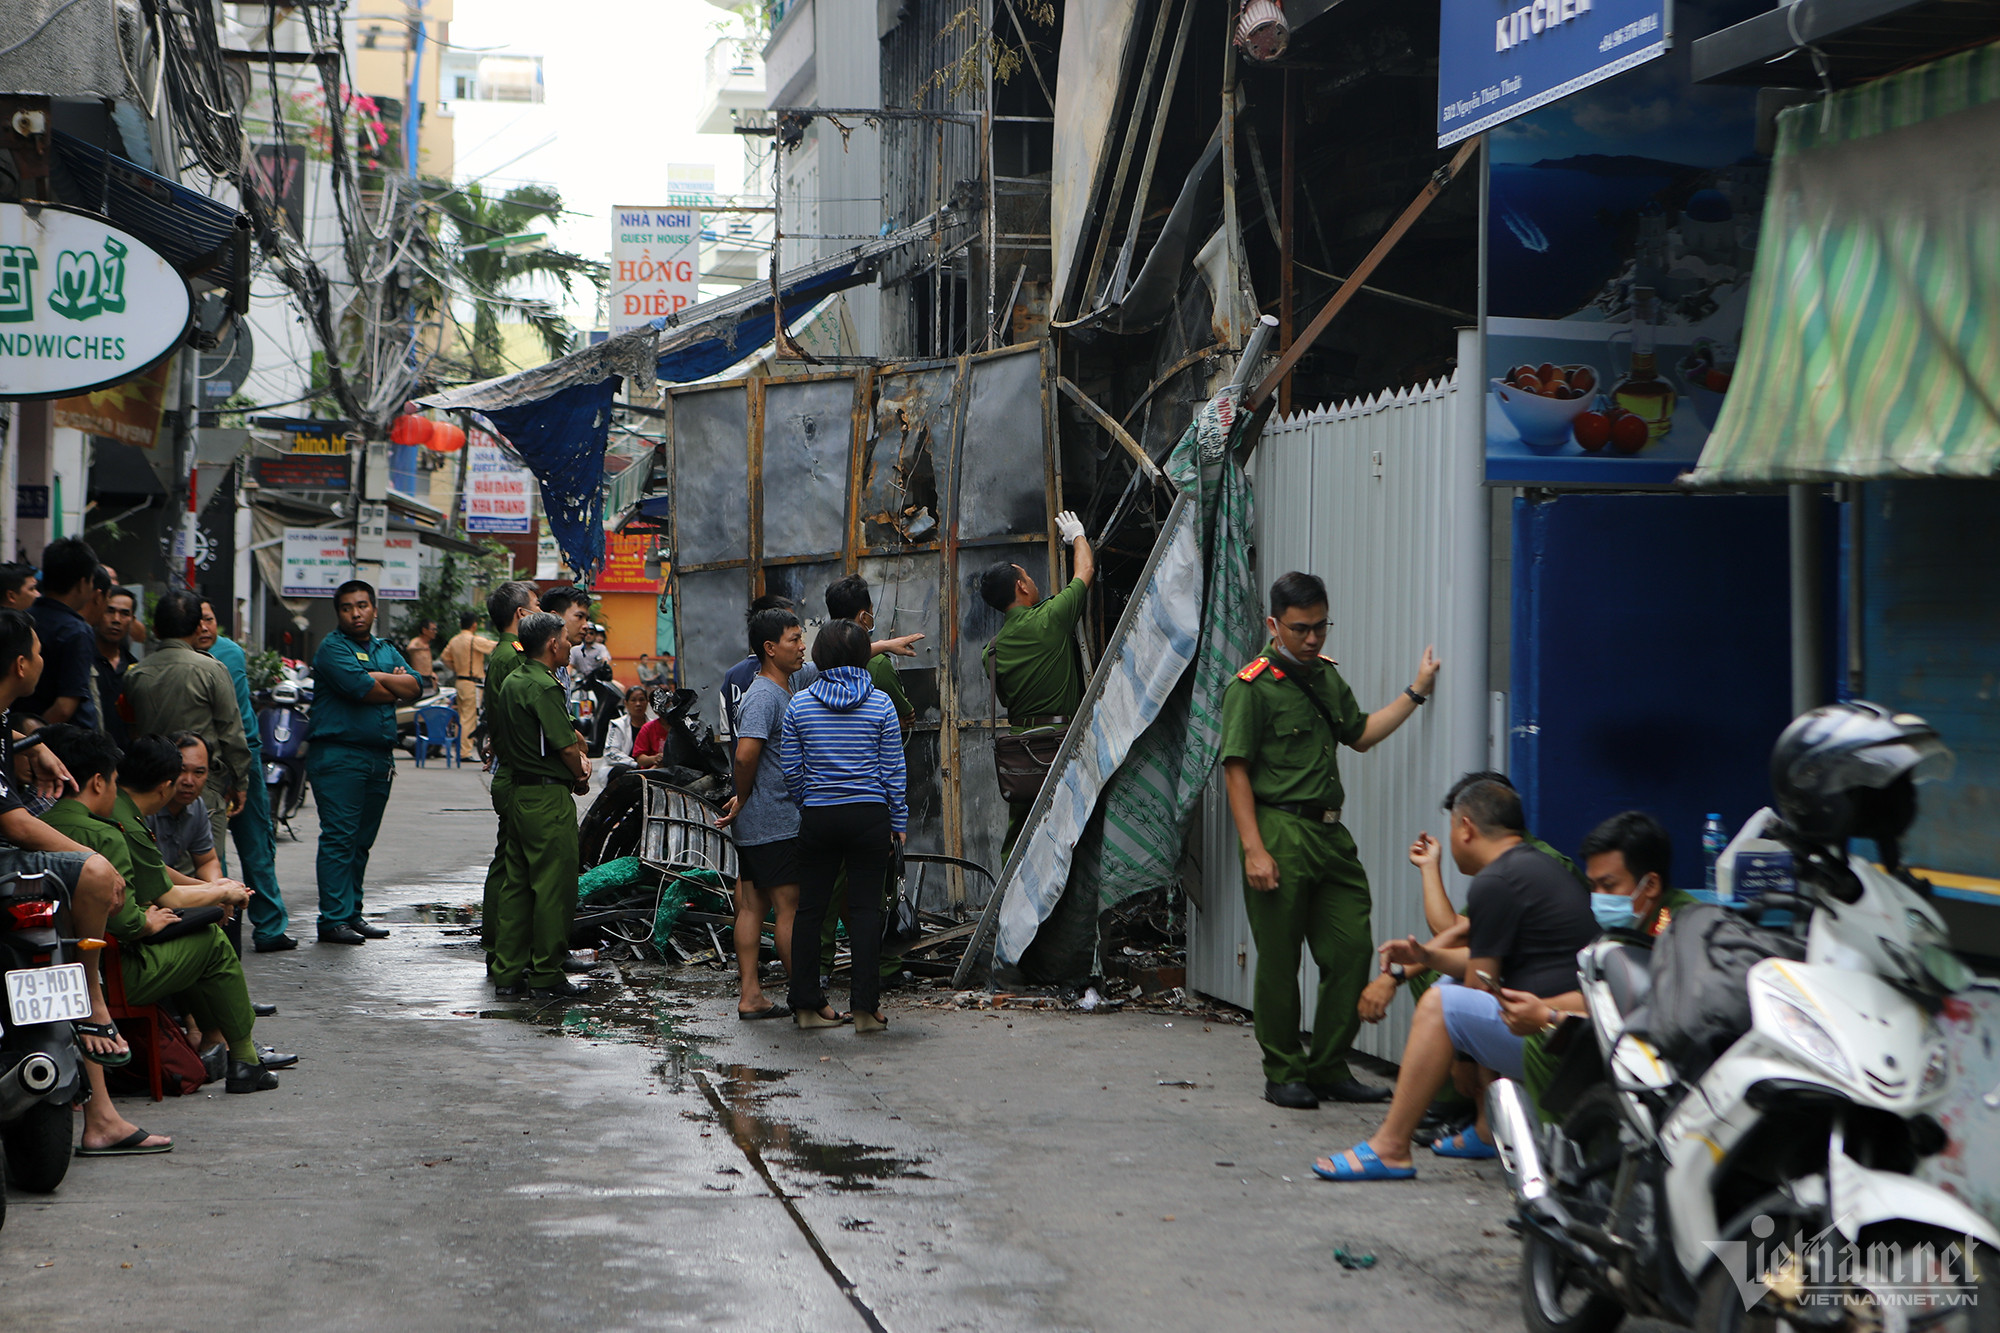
(1383, 500)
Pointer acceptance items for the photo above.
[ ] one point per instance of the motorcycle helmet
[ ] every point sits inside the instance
(1850, 771)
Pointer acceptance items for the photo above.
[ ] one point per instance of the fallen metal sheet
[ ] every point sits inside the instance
(1089, 82)
(1153, 645)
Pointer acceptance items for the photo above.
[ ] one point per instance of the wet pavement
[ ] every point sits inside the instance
(443, 1160)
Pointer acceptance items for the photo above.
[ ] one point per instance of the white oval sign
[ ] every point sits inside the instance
(82, 303)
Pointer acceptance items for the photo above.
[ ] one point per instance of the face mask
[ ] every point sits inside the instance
(1613, 911)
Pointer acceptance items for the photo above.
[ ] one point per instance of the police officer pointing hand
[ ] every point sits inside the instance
(1282, 719)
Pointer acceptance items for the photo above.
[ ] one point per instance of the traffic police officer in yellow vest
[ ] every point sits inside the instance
(1282, 718)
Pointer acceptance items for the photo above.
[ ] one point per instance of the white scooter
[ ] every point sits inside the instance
(1776, 1191)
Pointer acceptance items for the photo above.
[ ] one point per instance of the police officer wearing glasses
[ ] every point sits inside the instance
(1282, 719)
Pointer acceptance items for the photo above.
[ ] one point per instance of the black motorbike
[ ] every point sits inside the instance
(40, 1073)
(693, 761)
(284, 714)
(594, 700)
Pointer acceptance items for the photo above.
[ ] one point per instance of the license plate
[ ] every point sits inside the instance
(48, 995)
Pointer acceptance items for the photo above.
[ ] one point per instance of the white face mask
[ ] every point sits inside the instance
(1279, 644)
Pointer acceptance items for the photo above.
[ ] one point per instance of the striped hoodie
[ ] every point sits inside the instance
(840, 744)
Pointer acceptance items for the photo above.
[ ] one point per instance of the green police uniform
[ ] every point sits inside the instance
(201, 968)
(506, 656)
(888, 680)
(1270, 720)
(1036, 668)
(351, 764)
(537, 894)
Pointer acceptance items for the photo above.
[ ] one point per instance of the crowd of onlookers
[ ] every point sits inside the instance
(130, 747)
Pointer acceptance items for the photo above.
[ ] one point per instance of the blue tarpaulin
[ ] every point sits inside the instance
(561, 439)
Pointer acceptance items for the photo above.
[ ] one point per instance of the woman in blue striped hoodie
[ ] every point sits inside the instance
(841, 748)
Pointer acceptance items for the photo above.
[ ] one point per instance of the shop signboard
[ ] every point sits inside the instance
(624, 568)
(1500, 60)
(1621, 228)
(296, 473)
(82, 303)
(499, 497)
(655, 261)
(128, 412)
(319, 560)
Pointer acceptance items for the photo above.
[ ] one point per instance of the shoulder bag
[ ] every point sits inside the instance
(1021, 759)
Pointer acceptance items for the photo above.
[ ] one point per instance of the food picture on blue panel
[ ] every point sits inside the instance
(1622, 227)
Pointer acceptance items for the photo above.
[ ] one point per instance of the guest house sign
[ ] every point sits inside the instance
(82, 304)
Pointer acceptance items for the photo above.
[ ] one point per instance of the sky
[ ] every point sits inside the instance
(624, 83)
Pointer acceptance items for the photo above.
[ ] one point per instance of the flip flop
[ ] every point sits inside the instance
(1372, 1167)
(768, 1011)
(108, 1032)
(132, 1145)
(1467, 1144)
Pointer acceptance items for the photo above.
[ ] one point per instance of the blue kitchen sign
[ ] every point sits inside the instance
(1498, 59)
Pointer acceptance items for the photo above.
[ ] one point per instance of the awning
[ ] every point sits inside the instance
(432, 537)
(1871, 347)
(202, 237)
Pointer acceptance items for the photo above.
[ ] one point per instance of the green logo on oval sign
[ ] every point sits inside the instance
(86, 286)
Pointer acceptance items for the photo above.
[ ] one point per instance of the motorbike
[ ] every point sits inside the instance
(693, 760)
(1772, 1188)
(594, 700)
(283, 717)
(40, 1073)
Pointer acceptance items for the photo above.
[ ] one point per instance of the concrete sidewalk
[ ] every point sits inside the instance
(442, 1161)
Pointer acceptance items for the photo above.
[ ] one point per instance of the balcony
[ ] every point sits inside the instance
(734, 83)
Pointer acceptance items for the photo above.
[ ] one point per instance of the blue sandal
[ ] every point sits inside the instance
(1467, 1144)
(1372, 1167)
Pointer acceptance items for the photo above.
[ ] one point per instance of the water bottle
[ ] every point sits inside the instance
(1713, 839)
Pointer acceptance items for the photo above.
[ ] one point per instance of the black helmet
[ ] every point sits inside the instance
(1849, 771)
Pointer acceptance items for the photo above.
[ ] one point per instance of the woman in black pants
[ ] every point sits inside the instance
(841, 747)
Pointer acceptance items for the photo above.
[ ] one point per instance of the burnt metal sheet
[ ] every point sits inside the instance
(910, 423)
(1002, 484)
(905, 589)
(806, 585)
(708, 616)
(711, 433)
(808, 436)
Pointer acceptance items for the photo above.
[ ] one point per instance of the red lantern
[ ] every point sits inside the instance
(445, 438)
(411, 429)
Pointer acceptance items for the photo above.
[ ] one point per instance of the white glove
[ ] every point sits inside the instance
(1069, 527)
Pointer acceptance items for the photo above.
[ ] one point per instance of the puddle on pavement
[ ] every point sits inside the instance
(746, 1091)
(445, 914)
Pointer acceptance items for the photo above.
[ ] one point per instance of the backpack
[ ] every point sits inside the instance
(1699, 1003)
(181, 1071)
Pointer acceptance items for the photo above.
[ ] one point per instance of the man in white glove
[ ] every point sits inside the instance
(1034, 656)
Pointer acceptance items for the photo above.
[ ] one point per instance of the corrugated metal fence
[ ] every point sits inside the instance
(1383, 500)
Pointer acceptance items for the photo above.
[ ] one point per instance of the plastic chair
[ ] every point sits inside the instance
(144, 1037)
(437, 725)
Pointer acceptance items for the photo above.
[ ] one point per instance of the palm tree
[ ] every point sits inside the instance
(489, 273)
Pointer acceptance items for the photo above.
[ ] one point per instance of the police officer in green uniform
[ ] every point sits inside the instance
(200, 968)
(1282, 718)
(358, 680)
(1033, 658)
(506, 606)
(544, 761)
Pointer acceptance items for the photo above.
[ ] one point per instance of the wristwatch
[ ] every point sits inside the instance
(1398, 972)
(1418, 699)
(1555, 1021)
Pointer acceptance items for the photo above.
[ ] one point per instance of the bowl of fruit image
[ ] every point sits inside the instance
(1707, 377)
(1541, 401)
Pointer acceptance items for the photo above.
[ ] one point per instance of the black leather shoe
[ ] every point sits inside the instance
(264, 1010)
(1291, 1096)
(341, 935)
(1352, 1090)
(245, 1077)
(276, 1059)
(577, 967)
(513, 990)
(215, 1063)
(275, 943)
(562, 990)
(367, 930)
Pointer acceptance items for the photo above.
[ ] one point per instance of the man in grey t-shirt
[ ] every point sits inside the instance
(761, 814)
(182, 826)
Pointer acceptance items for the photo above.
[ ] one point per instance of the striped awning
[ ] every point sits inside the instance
(1872, 343)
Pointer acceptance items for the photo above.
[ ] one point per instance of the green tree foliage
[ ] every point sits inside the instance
(499, 281)
(454, 585)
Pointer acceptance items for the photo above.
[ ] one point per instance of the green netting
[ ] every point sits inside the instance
(623, 873)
